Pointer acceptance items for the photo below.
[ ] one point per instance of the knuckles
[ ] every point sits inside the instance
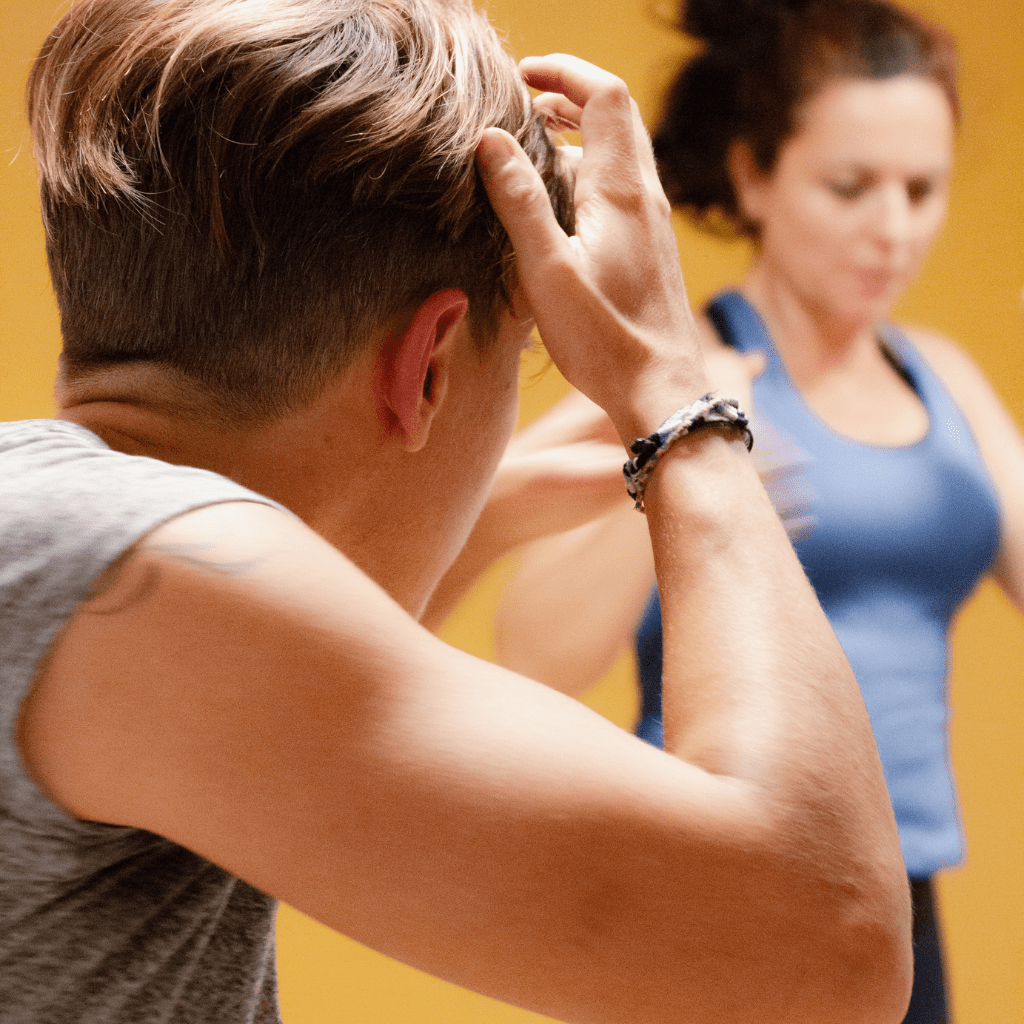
(662, 207)
(615, 91)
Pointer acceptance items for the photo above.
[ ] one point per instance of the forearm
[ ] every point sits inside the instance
(755, 683)
(756, 687)
(793, 867)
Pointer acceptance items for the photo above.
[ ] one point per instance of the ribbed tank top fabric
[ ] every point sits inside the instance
(899, 538)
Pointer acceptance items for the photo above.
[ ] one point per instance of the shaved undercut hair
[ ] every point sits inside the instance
(244, 190)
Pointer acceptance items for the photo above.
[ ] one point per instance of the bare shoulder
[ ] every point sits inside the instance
(994, 427)
(213, 605)
(731, 372)
(951, 362)
(999, 439)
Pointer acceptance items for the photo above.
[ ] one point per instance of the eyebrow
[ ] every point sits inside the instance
(868, 171)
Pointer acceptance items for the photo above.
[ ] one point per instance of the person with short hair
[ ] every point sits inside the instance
(298, 247)
(822, 131)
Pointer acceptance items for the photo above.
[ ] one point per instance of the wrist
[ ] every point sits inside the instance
(707, 413)
(640, 411)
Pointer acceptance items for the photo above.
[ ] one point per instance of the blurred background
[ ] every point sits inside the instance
(971, 289)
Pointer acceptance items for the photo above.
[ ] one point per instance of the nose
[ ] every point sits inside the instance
(892, 220)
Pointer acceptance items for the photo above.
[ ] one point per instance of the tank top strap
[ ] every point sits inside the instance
(944, 414)
(740, 325)
(775, 396)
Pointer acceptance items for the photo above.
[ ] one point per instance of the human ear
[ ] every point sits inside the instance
(414, 366)
(747, 179)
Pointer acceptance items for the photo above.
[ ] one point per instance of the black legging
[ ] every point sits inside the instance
(928, 999)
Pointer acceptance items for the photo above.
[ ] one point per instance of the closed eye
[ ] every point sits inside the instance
(848, 190)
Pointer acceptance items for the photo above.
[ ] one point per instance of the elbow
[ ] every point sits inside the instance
(859, 953)
(783, 944)
(828, 941)
(880, 966)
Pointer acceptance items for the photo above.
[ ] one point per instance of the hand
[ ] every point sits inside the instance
(610, 302)
(732, 373)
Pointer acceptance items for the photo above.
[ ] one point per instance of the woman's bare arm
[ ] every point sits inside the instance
(561, 471)
(575, 599)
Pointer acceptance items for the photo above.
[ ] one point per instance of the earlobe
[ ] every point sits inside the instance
(413, 370)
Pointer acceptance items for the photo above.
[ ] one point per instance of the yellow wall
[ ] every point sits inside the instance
(971, 290)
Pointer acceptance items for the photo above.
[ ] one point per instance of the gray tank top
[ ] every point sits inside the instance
(101, 923)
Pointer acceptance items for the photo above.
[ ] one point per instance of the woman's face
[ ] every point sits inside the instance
(857, 195)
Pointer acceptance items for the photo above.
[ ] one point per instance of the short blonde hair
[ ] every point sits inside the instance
(243, 190)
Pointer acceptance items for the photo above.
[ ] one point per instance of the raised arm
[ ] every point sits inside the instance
(573, 604)
(574, 601)
(243, 689)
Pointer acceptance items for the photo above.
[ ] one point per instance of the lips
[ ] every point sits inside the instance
(877, 280)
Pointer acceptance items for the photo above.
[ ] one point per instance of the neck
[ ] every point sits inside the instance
(144, 409)
(811, 339)
(306, 460)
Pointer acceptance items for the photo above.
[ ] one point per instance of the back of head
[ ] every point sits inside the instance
(243, 190)
(760, 62)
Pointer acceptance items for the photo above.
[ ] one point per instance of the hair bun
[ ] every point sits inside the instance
(728, 21)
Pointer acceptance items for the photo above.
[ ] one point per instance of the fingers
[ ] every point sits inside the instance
(782, 465)
(755, 363)
(520, 200)
(577, 80)
(732, 372)
(561, 113)
(594, 99)
(610, 301)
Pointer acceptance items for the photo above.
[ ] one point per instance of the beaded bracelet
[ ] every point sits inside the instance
(706, 412)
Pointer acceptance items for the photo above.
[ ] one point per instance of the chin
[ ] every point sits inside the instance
(870, 305)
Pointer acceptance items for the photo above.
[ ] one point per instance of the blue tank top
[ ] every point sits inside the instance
(900, 537)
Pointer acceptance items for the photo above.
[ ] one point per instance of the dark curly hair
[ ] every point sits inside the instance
(760, 62)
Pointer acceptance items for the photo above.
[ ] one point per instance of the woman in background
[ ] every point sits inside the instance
(823, 131)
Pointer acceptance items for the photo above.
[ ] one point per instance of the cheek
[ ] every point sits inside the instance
(813, 235)
(928, 225)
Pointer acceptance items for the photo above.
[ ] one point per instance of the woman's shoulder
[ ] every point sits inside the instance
(731, 372)
(933, 344)
(951, 362)
(1000, 442)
